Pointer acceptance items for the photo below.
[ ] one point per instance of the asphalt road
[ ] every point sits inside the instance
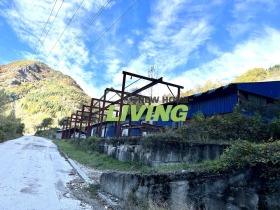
(33, 175)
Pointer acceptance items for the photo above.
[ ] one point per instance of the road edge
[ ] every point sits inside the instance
(74, 165)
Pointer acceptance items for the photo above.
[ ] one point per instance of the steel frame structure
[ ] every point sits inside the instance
(98, 107)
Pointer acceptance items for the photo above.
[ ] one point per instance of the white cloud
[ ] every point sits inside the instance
(3, 2)
(171, 37)
(262, 51)
(212, 49)
(248, 9)
(28, 19)
(245, 14)
(113, 66)
(129, 41)
(137, 32)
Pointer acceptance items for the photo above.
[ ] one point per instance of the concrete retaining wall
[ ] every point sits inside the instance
(237, 190)
(164, 154)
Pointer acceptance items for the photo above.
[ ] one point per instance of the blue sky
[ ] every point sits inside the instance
(188, 41)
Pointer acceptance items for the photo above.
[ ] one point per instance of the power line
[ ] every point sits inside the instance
(108, 29)
(125, 87)
(65, 27)
(51, 25)
(35, 49)
(133, 83)
(85, 29)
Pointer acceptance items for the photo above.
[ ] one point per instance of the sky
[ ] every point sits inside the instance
(187, 41)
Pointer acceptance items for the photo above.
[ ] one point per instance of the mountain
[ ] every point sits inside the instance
(40, 92)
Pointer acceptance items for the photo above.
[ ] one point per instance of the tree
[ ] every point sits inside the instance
(62, 121)
(209, 85)
(274, 72)
(10, 126)
(46, 122)
(4, 99)
(253, 75)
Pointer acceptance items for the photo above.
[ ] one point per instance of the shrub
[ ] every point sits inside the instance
(233, 126)
(170, 136)
(243, 153)
(10, 127)
(274, 128)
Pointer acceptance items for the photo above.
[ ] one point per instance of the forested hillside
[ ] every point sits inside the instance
(40, 92)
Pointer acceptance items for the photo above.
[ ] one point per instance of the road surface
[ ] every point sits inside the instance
(33, 175)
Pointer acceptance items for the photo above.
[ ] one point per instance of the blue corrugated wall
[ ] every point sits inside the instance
(222, 101)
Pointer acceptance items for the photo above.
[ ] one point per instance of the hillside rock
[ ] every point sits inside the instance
(42, 92)
(32, 67)
(13, 82)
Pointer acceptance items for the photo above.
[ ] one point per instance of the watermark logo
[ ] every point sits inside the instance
(176, 113)
(156, 99)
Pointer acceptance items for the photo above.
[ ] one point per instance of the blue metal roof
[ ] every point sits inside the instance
(267, 89)
(223, 99)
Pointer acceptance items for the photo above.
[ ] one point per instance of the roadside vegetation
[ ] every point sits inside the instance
(261, 126)
(10, 126)
(44, 130)
(77, 150)
(240, 155)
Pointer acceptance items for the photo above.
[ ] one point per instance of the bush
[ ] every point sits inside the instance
(233, 126)
(10, 127)
(197, 130)
(90, 144)
(274, 128)
(159, 138)
(49, 133)
(243, 153)
(123, 140)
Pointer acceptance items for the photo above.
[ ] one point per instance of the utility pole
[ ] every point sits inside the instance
(152, 74)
